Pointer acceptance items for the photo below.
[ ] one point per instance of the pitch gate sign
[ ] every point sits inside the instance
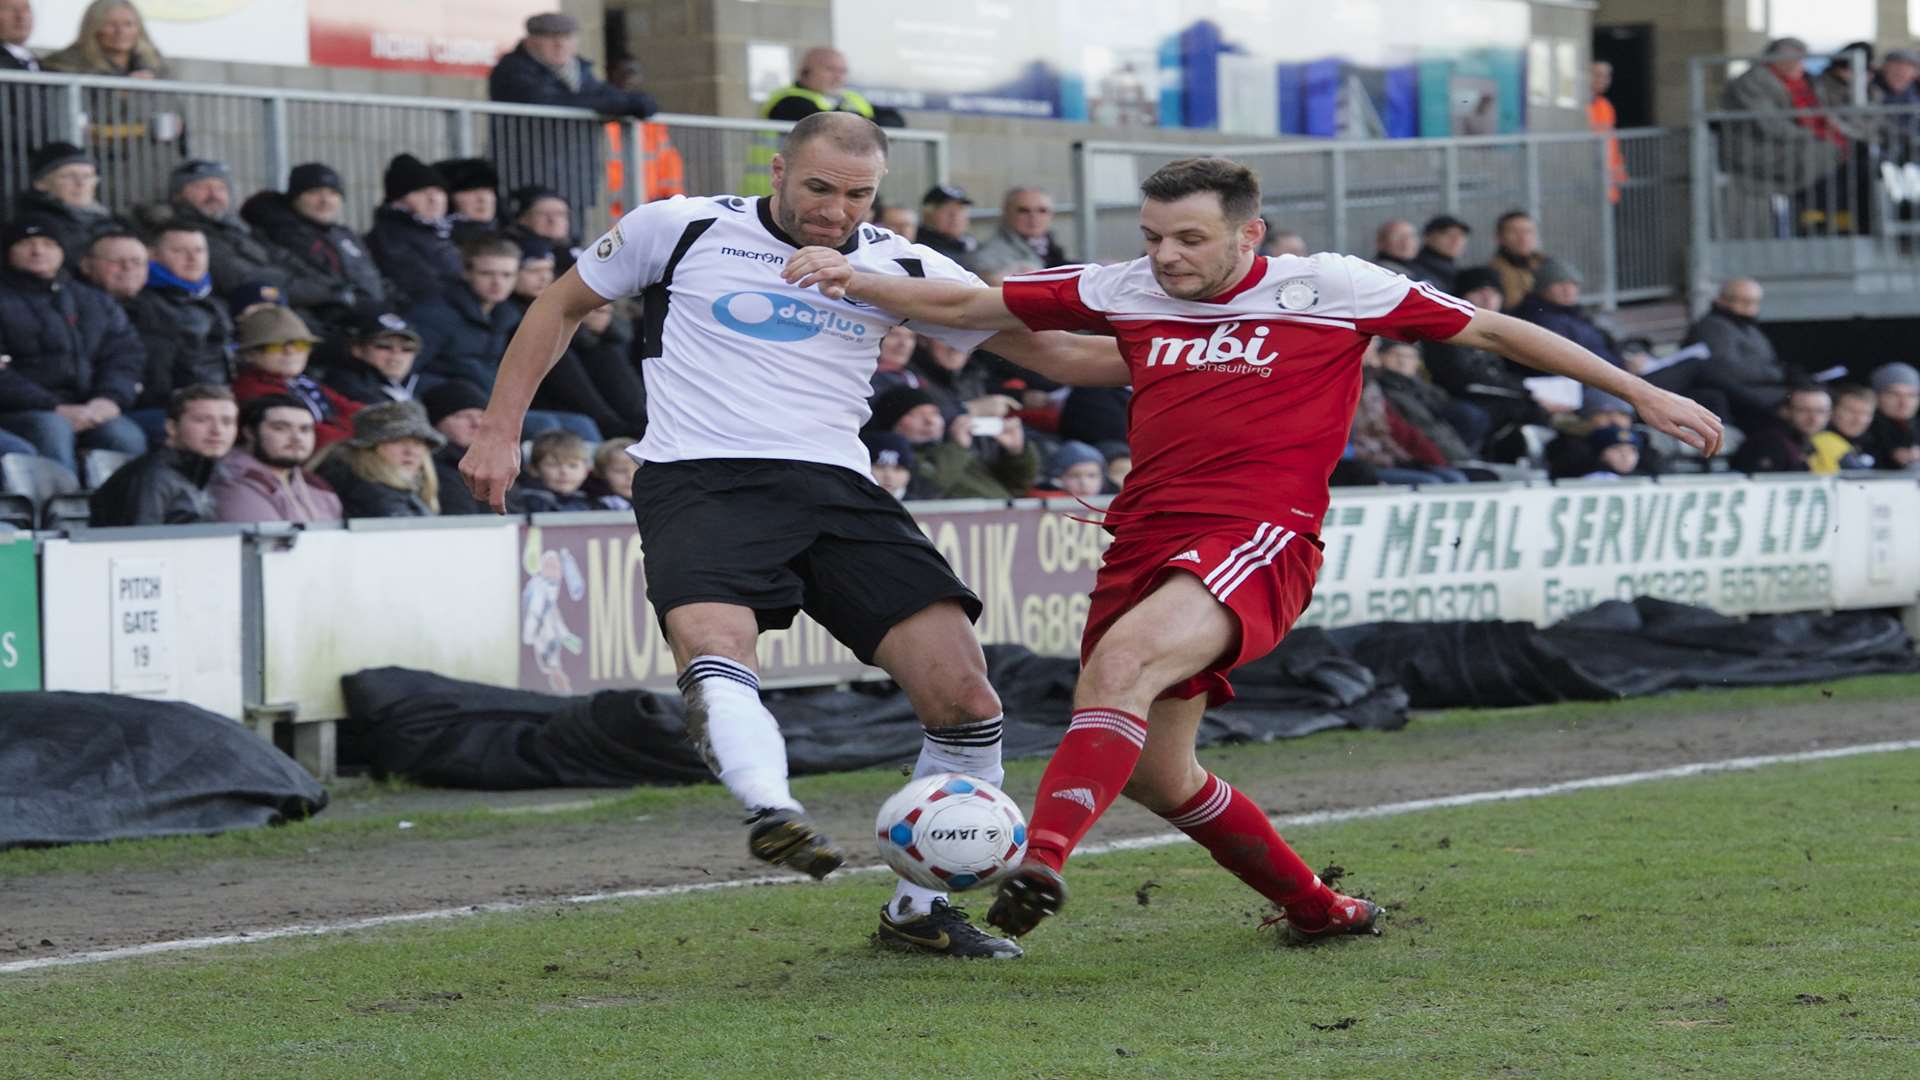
(1482, 553)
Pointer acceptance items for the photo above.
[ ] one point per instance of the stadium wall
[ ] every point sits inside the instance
(230, 616)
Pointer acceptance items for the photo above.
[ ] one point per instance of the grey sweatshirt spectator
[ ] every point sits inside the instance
(1025, 238)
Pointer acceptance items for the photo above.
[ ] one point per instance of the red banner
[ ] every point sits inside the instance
(434, 37)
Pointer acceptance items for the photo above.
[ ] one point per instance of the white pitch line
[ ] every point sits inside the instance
(1138, 843)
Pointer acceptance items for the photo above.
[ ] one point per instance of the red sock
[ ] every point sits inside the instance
(1086, 774)
(1241, 839)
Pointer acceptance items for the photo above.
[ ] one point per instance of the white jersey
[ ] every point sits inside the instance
(740, 364)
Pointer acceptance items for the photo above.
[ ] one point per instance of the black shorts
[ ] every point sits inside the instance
(782, 537)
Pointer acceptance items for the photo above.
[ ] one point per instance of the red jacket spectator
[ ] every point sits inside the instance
(274, 345)
(332, 413)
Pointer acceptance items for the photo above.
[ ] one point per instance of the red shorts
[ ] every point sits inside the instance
(1263, 574)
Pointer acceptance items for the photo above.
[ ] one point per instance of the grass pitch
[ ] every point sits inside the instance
(1740, 925)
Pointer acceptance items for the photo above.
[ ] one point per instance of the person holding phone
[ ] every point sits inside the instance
(967, 457)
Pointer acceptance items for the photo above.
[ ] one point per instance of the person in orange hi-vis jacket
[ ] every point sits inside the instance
(1601, 119)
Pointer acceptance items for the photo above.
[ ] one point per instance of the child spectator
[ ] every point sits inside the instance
(1615, 450)
(1787, 444)
(1840, 446)
(386, 468)
(561, 461)
(611, 484)
(1074, 469)
(274, 347)
(1119, 462)
(892, 457)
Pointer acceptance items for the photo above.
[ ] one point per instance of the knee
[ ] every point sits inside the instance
(968, 698)
(1115, 671)
(123, 435)
(1164, 787)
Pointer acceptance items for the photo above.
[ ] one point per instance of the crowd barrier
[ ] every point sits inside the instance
(238, 617)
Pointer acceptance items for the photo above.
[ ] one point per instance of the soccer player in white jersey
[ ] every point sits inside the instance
(756, 501)
(1245, 372)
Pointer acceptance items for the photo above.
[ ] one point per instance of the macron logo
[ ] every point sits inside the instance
(757, 256)
(1186, 556)
(1083, 796)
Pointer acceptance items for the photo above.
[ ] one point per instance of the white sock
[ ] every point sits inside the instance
(973, 749)
(735, 733)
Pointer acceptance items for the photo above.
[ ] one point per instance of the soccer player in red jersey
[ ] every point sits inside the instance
(1246, 372)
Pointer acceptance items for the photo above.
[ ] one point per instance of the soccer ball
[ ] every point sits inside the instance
(951, 832)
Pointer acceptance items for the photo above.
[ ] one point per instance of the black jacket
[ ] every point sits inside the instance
(455, 499)
(1886, 435)
(189, 340)
(419, 260)
(68, 343)
(597, 378)
(329, 253)
(1434, 268)
(161, 487)
(461, 341)
(519, 77)
(74, 229)
(238, 255)
(358, 382)
(957, 248)
(560, 154)
(367, 499)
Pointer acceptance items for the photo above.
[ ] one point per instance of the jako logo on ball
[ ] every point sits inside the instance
(951, 832)
(773, 317)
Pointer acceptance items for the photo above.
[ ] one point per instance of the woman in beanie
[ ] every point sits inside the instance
(386, 468)
(113, 40)
(306, 220)
(412, 237)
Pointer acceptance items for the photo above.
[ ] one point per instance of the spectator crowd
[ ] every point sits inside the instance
(250, 356)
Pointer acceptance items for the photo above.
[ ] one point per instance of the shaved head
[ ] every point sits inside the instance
(845, 132)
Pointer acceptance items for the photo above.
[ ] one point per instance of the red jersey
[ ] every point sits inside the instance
(1241, 402)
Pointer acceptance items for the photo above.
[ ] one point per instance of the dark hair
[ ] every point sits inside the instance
(491, 245)
(1235, 184)
(176, 226)
(1509, 216)
(187, 395)
(1798, 388)
(849, 134)
(255, 411)
(112, 234)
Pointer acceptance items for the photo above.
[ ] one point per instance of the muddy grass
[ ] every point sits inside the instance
(694, 839)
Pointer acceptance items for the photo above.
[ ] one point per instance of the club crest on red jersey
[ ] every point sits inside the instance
(1297, 294)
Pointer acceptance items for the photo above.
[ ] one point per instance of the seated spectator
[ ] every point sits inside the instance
(1074, 469)
(113, 40)
(306, 221)
(955, 464)
(1395, 245)
(1615, 451)
(610, 485)
(1025, 238)
(959, 380)
(1787, 444)
(473, 191)
(1742, 378)
(466, 330)
(263, 478)
(902, 221)
(893, 466)
(64, 197)
(896, 351)
(381, 351)
(1841, 446)
(168, 486)
(274, 347)
(202, 196)
(596, 377)
(386, 468)
(116, 263)
(1397, 451)
(1283, 242)
(1119, 463)
(1487, 380)
(1095, 414)
(560, 462)
(1555, 306)
(1517, 257)
(411, 239)
(1894, 437)
(454, 408)
(187, 332)
(1441, 243)
(72, 359)
(1456, 427)
(543, 214)
(943, 223)
(1573, 455)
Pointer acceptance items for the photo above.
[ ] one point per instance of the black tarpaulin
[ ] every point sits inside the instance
(76, 767)
(442, 731)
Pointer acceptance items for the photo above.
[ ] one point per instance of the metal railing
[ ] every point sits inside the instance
(1336, 194)
(141, 129)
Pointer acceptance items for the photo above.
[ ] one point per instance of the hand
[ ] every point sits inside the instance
(489, 468)
(1683, 418)
(821, 268)
(1013, 437)
(1906, 455)
(992, 405)
(79, 417)
(102, 409)
(960, 430)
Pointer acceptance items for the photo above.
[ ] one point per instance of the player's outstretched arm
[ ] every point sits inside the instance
(1542, 349)
(1070, 359)
(944, 303)
(493, 460)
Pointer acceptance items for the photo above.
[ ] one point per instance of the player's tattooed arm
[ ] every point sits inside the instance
(1072, 359)
(1543, 350)
(943, 303)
